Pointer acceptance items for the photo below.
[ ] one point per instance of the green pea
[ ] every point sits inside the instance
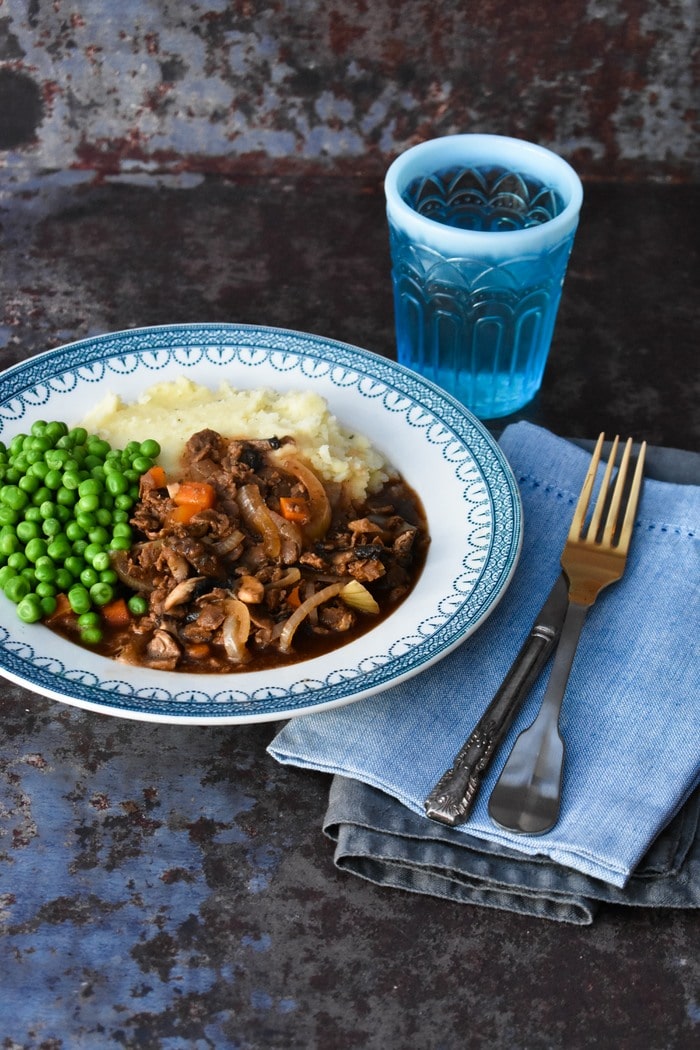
(150, 448)
(79, 599)
(91, 636)
(46, 589)
(8, 516)
(55, 430)
(89, 487)
(48, 604)
(103, 516)
(108, 576)
(89, 619)
(89, 577)
(137, 605)
(9, 543)
(56, 458)
(7, 572)
(52, 527)
(97, 447)
(78, 436)
(41, 495)
(65, 497)
(75, 531)
(101, 593)
(75, 565)
(33, 514)
(53, 479)
(99, 535)
(92, 551)
(88, 504)
(119, 543)
(47, 509)
(71, 480)
(122, 529)
(141, 464)
(64, 580)
(29, 483)
(35, 549)
(101, 561)
(18, 561)
(27, 530)
(116, 484)
(13, 496)
(16, 444)
(16, 588)
(29, 609)
(38, 469)
(44, 569)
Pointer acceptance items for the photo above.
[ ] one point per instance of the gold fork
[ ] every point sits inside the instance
(527, 796)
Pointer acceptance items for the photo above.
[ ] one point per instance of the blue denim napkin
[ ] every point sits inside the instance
(630, 719)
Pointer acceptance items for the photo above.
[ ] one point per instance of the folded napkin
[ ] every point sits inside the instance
(630, 721)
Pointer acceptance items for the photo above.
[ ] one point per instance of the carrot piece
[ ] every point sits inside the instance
(198, 650)
(195, 493)
(181, 515)
(293, 508)
(154, 478)
(294, 598)
(191, 497)
(116, 613)
(63, 612)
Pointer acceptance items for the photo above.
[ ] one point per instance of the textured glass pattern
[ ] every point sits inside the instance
(484, 198)
(481, 331)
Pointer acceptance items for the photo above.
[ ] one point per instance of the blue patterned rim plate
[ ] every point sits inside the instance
(450, 459)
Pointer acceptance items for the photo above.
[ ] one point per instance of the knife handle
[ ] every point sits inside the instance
(451, 800)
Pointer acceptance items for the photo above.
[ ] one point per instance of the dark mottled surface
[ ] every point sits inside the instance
(341, 85)
(169, 887)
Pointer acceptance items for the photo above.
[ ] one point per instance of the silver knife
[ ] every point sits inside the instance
(451, 800)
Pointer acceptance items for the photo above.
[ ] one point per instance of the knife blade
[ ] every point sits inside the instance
(451, 800)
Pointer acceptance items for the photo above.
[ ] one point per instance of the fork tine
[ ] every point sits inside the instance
(586, 489)
(602, 495)
(633, 500)
(614, 512)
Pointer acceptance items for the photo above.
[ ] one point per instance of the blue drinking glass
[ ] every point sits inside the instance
(481, 228)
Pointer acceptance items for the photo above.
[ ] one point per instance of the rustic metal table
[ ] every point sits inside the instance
(169, 886)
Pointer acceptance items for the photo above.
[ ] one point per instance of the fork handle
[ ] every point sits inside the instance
(563, 660)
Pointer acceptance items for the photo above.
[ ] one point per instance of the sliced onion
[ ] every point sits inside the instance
(319, 505)
(119, 561)
(235, 629)
(290, 577)
(291, 538)
(257, 516)
(229, 543)
(358, 597)
(306, 607)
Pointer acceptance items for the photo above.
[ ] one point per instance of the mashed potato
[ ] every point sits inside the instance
(171, 412)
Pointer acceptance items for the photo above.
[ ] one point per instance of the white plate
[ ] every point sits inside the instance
(467, 488)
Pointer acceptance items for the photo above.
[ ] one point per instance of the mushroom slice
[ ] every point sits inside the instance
(250, 590)
(162, 651)
(182, 592)
(235, 630)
